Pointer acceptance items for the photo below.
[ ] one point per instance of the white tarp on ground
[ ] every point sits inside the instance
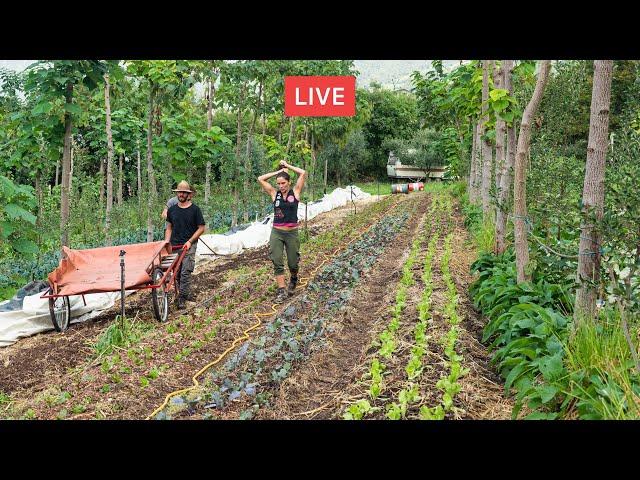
(34, 316)
(257, 233)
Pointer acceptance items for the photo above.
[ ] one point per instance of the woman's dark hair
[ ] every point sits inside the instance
(284, 175)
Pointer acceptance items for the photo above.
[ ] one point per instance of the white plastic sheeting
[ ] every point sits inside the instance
(34, 316)
(257, 234)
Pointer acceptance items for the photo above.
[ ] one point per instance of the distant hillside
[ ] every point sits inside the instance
(393, 73)
(17, 65)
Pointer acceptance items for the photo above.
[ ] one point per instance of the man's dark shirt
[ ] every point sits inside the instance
(184, 222)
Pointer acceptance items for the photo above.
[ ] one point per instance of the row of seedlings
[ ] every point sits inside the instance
(387, 343)
(251, 373)
(448, 384)
(414, 367)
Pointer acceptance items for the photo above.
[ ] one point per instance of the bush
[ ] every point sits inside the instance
(554, 373)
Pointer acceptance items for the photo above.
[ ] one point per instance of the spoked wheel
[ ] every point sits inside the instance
(60, 310)
(160, 297)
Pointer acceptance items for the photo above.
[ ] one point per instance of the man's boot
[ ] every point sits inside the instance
(182, 303)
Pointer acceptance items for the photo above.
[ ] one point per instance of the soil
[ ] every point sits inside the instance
(329, 381)
(53, 375)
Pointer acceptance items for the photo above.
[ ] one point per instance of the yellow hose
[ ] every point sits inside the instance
(245, 334)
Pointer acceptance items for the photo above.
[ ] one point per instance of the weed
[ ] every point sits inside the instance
(121, 333)
(29, 414)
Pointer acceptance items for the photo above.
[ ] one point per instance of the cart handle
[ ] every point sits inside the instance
(173, 267)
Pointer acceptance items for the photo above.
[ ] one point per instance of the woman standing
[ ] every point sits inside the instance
(284, 234)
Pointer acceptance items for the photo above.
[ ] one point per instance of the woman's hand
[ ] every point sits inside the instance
(284, 164)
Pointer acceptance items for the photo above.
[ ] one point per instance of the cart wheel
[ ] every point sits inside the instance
(160, 297)
(60, 311)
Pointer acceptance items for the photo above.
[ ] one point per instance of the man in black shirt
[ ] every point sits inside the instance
(185, 224)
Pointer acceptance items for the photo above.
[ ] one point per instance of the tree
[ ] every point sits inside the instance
(452, 103)
(393, 115)
(57, 79)
(519, 193)
(166, 79)
(501, 128)
(107, 104)
(593, 192)
(487, 149)
(505, 166)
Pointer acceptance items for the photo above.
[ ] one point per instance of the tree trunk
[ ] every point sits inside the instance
(66, 170)
(593, 192)
(326, 161)
(520, 186)
(120, 180)
(56, 182)
(292, 122)
(506, 175)
(101, 176)
(498, 80)
(107, 104)
(247, 159)
(207, 180)
(71, 168)
(477, 176)
(236, 199)
(152, 179)
(280, 128)
(313, 166)
(139, 192)
(473, 192)
(487, 150)
(306, 141)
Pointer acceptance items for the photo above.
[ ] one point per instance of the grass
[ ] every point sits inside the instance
(121, 333)
(484, 237)
(600, 354)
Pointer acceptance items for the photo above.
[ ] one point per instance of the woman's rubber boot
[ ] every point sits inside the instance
(293, 282)
(281, 295)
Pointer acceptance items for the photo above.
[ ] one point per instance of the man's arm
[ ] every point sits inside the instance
(194, 237)
(167, 232)
(170, 203)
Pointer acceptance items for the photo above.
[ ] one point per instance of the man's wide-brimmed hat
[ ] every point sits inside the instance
(183, 186)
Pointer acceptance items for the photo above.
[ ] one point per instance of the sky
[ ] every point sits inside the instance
(17, 65)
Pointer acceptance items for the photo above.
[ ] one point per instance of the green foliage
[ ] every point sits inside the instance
(123, 332)
(358, 410)
(555, 374)
(345, 159)
(425, 149)
(393, 115)
(17, 223)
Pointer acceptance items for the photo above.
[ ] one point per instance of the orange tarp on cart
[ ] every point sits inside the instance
(98, 269)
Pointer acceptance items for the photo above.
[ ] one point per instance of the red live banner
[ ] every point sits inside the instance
(316, 96)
